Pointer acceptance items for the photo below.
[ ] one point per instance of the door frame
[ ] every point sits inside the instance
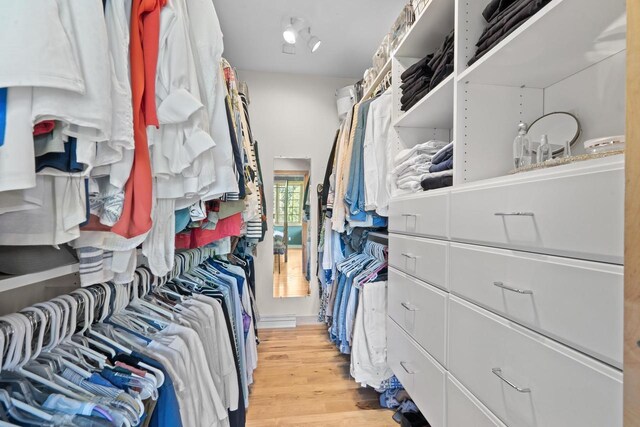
(632, 223)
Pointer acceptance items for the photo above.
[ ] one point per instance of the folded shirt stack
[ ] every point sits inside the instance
(504, 17)
(423, 76)
(432, 159)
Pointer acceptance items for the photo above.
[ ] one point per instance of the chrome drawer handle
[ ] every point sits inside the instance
(413, 215)
(498, 373)
(407, 370)
(519, 291)
(514, 214)
(408, 306)
(409, 256)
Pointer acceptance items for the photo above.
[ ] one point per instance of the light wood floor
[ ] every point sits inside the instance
(290, 282)
(302, 380)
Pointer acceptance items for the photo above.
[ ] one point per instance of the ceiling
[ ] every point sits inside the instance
(351, 31)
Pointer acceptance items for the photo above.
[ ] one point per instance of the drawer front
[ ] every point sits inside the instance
(421, 310)
(580, 216)
(424, 215)
(557, 386)
(464, 409)
(422, 258)
(418, 372)
(577, 302)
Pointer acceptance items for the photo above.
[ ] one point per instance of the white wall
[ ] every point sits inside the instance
(291, 116)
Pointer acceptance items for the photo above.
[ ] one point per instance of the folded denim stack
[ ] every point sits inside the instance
(414, 165)
(504, 17)
(423, 76)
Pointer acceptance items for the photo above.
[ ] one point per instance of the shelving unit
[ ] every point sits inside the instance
(545, 65)
(8, 283)
(451, 248)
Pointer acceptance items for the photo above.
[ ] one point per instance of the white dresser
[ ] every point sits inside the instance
(506, 298)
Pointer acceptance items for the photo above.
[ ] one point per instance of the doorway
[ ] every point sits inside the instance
(291, 222)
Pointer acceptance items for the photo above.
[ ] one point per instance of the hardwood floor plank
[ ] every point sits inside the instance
(302, 380)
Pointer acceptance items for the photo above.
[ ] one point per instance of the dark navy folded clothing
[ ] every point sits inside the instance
(64, 162)
(416, 68)
(495, 7)
(504, 20)
(442, 166)
(433, 183)
(443, 155)
(422, 77)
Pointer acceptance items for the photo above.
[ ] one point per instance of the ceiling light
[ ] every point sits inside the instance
(289, 49)
(291, 30)
(289, 35)
(314, 43)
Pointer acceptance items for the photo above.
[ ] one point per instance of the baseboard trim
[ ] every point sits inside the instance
(307, 320)
(277, 322)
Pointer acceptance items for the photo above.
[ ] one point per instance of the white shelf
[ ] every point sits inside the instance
(567, 36)
(387, 67)
(8, 283)
(429, 31)
(435, 110)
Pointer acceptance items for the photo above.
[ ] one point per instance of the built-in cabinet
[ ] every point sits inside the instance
(506, 291)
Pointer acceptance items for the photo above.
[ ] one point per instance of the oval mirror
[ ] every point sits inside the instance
(559, 127)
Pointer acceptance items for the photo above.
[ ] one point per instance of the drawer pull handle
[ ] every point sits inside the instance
(407, 370)
(409, 215)
(508, 288)
(408, 306)
(514, 214)
(498, 373)
(409, 256)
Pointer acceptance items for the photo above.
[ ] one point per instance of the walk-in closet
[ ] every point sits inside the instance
(294, 213)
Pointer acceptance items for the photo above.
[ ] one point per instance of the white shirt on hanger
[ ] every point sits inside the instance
(377, 149)
(55, 222)
(87, 114)
(36, 48)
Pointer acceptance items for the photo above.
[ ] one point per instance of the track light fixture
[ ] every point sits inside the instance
(294, 29)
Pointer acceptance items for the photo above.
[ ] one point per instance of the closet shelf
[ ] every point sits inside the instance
(434, 23)
(433, 111)
(566, 37)
(378, 80)
(8, 283)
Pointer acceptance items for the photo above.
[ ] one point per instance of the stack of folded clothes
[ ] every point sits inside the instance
(503, 17)
(430, 162)
(423, 76)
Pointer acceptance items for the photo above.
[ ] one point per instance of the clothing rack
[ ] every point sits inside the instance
(184, 261)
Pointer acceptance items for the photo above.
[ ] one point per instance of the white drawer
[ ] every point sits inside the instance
(418, 372)
(422, 215)
(580, 216)
(422, 258)
(421, 310)
(465, 410)
(565, 388)
(577, 302)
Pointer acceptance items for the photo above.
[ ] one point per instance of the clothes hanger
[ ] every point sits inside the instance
(12, 404)
(15, 360)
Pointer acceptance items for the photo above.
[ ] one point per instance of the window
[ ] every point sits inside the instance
(287, 199)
